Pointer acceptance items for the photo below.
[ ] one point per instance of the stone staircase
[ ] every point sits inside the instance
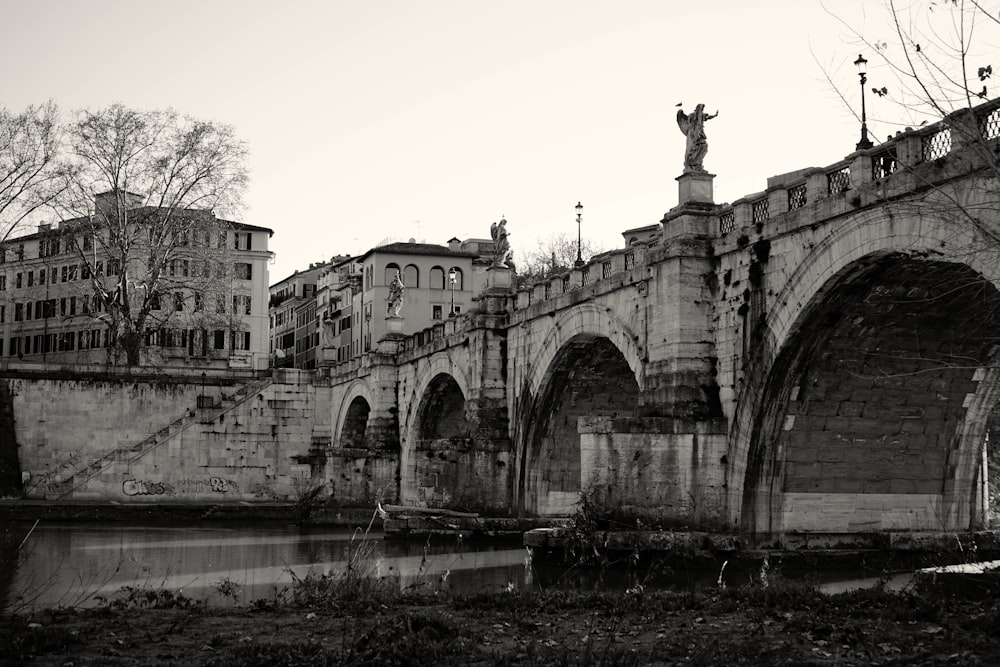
(129, 453)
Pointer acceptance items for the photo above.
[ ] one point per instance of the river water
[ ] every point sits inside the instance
(76, 564)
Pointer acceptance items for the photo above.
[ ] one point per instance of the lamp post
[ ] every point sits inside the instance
(579, 219)
(453, 278)
(862, 66)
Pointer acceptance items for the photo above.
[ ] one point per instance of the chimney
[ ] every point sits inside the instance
(105, 205)
(454, 244)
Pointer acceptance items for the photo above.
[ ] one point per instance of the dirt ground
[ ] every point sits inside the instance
(775, 626)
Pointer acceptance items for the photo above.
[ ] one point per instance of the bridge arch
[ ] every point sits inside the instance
(588, 366)
(435, 425)
(352, 415)
(870, 388)
(589, 320)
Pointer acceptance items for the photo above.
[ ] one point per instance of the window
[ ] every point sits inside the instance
(154, 301)
(72, 272)
(17, 281)
(436, 312)
(458, 277)
(220, 306)
(41, 276)
(437, 278)
(240, 340)
(458, 309)
(3, 314)
(411, 276)
(199, 302)
(3, 282)
(241, 304)
(72, 306)
(178, 301)
(31, 278)
(88, 242)
(64, 273)
(390, 272)
(241, 240)
(243, 270)
(219, 338)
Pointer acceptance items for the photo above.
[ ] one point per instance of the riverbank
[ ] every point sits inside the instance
(761, 625)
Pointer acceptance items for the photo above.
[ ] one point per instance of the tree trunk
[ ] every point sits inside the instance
(131, 342)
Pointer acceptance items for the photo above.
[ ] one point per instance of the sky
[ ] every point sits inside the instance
(369, 120)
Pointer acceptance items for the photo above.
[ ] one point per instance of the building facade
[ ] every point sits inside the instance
(206, 307)
(285, 304)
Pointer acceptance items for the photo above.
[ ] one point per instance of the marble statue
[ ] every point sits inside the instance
(395, 298)
(501, 246)
(693, 127)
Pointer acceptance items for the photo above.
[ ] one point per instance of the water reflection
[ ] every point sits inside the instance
(74, 564)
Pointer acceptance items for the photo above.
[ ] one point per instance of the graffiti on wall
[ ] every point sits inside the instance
(134, 487)
(211, 485)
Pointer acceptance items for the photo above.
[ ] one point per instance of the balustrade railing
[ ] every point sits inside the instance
(797, 197)
(937, 145)
(884, 163)
(727, 222)
(990, 125)
(760, 211)
(838, 181)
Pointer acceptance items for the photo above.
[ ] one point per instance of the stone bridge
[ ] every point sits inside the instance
(818, 357)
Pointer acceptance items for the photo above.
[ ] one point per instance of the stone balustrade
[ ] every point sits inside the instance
(864, 168)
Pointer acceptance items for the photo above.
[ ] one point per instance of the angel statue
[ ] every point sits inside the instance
(501, 246)
(693, 127)
(395, 298)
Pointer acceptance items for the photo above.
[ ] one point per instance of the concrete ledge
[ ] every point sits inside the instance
(419, 527)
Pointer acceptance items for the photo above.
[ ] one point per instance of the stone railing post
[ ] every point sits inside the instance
(909, 148)
(964, 129)
(861, 169)
(777, 202)
(742, 213)
(816, 185)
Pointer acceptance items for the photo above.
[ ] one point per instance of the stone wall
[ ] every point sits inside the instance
(141, 440)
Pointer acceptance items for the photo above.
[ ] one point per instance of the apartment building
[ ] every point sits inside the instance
(287, 297)
(207, 308)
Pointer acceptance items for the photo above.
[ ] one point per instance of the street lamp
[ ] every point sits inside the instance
(862, 66)
(579, 219)
(453, 278)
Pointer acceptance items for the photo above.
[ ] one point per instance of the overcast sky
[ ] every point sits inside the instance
(374, 119)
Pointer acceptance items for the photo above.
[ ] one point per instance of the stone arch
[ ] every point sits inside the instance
(589, 320)
(357, 399)
(355, 423)
(439, 376)
(870, 304)
(582, 371)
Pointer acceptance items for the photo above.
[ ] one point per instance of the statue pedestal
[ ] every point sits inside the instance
(498, 277)
(695, 186)
(394, 324)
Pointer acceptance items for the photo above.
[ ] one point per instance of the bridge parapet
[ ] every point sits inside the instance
(912, 159)
(604, 267)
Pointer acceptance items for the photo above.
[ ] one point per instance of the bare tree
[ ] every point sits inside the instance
(139, 212)
(552, 255)
(30, 175)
